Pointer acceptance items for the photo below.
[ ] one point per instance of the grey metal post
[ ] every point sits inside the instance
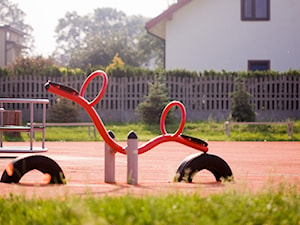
(31, 125)
(132, 158)
(227, 128)
(109, 161)
(290, 129)
(1, 123)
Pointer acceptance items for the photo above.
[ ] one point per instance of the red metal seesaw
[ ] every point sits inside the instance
(78, 97)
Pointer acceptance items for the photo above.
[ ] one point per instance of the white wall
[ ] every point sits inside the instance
(209, 34)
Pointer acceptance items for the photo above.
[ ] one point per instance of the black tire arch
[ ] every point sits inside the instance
(20, 166)
(197, 162)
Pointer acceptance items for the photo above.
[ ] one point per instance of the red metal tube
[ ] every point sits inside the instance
(73, 95)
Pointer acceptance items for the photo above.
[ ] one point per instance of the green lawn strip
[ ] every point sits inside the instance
(271, 206)
(206, 130)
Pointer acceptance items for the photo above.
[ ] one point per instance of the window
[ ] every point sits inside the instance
(260, 65)
(255, 10)
(7, 35)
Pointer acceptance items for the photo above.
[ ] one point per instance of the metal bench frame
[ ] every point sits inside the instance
(29, 129)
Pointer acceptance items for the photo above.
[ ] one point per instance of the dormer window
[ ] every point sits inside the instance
(253, 10)
(258, 65)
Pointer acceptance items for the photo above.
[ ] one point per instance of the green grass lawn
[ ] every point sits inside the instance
(271, 206)
(210, 131)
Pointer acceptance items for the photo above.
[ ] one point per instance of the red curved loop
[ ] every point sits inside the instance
(102, 90)
(164, 115)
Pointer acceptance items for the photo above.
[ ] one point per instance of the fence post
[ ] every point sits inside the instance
(109, 161)
(1, 123)
(227, 128)
(132, 158)
(290, 129)
(89, 130)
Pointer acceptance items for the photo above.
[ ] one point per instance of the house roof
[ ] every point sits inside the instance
(157, 26)
(11, 29)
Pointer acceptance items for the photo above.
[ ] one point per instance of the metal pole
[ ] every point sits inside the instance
(109, 161)
(132, 158)
(44, 125)
(227, 128)
(1, 122)
(31, 126)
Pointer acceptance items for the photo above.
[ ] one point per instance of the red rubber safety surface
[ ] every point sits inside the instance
(255, 165)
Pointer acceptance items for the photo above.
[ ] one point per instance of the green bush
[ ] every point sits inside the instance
(38, 66)
(64, 111)
(241, 110)
(151, 109)
(180, 73)
(5, 72)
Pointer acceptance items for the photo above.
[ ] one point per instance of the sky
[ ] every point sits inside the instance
(43, 15)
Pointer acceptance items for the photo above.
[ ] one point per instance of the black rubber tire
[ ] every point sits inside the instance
(197, 162)
(41, 163)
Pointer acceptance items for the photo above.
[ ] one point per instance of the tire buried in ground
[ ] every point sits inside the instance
(191, 165)
(20, 166)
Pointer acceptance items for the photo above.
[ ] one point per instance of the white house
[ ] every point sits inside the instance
(231, 35)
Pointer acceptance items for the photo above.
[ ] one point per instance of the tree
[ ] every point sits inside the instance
(10, 14)
(151, 48)
(37, 66)
(241, 109)
(93, 40)
(151, 109)
(116, 67)
(64, 110)
(71, 30)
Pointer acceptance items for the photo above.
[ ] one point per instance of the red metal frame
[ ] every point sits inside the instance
(73, 95)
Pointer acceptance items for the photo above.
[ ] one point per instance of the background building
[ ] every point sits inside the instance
(11, 46)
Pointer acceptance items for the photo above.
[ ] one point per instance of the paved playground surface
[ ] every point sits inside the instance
(255, 165)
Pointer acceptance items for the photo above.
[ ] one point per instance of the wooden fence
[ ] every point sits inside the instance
(207, 97)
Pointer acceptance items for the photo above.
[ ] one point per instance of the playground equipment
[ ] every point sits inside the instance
(187, 169)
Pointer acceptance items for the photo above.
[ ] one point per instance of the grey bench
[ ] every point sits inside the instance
(29, 128)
